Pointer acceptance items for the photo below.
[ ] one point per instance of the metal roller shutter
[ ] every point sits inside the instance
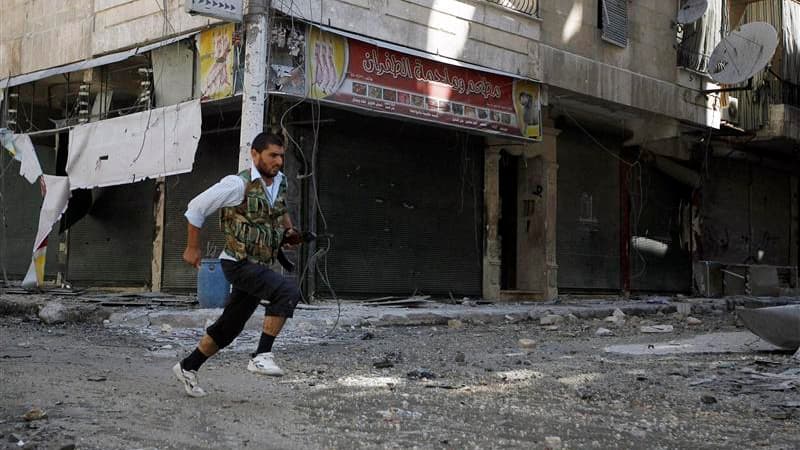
(587, 246)
(21, 202)
(113, 244)
(405, 204)
(216, 157)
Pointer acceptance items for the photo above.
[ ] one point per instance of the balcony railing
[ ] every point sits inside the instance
(530, 7)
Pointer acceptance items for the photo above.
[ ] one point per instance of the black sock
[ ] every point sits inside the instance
(194, 361)
(265, 344)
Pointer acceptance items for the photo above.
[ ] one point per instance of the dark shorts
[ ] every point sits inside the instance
(250, 283)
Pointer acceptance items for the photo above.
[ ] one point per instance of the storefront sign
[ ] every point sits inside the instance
(215, 50)
(346, 71)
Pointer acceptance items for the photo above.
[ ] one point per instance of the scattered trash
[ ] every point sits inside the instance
(421, 374)
(383, 364)
(527, 344)
(603, 332)
(657, 329)
(780, 414)
(693, 321)
(97, 378)
(388, 360)
(34, 414)
(455, 324)
(366, 336)
(551, 328)
(708, 399)
(395, 414)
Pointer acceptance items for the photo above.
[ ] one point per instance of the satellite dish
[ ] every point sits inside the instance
(742, 53)
(691, 11)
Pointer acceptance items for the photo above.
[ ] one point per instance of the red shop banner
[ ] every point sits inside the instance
(355, 73)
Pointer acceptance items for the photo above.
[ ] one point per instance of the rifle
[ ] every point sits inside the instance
(299, 237)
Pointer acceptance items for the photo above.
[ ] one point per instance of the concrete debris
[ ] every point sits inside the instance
(166, 328)
(460, 357)
(551, 328)
(34, 414)
(693, 321)
(571, 318)
(617, 317)
(421, 374)
(395, 414)
(603, 332)
(657, 329)
(366, 336)
(53, 313)
(455, 323)
(552, 442)
(708, 399)
(551, 319)
(528, 344)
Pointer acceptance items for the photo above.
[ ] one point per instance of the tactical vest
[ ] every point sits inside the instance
(253, 230)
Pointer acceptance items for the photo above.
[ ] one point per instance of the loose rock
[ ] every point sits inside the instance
(551, 319)
(603, 332)
(455, 323)
(552, 442)
(53, 313)
(657, 329)
(34, 414)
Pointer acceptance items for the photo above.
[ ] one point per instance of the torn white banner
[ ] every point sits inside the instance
(56, 197)
(131, 148)
(21, 148)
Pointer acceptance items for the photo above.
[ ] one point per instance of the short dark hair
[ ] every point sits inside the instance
(263, 140)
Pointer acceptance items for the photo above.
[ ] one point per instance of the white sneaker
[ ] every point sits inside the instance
(189, 380)
(264, 364)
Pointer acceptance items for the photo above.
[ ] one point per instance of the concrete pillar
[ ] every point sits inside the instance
(254, 88)
(491, 199)
(550, 172)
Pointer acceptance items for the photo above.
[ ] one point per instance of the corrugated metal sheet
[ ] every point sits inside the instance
(615, 21)
(699, 39)
(587, 244)
(404, 202)
(754, 104)
(113, 245)
(216, 157)
(20, 204)
(656, 202)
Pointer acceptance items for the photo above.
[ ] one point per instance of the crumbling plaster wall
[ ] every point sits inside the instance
(39, 34)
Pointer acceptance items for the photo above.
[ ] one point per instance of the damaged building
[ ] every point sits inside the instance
(509, 150)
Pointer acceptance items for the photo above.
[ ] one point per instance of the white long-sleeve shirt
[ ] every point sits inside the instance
(229, 191)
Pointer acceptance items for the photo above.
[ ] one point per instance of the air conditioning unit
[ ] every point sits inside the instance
(730, 112)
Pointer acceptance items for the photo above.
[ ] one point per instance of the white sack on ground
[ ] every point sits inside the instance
(131, 148)
(21, 148)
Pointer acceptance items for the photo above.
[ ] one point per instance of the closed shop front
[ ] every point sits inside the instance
(588, 218)
(405, 205)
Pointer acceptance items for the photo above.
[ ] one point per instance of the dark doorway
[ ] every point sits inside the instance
(509, 175)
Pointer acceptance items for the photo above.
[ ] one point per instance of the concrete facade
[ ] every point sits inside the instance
(635, 92)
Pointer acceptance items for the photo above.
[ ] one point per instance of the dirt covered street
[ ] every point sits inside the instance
(511, 385)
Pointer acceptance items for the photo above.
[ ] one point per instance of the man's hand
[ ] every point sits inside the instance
(291, 238)
(192, 256)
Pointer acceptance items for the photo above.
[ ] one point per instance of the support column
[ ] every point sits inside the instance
(491, 199)
(158, 238)
(550, 172)
(254, 89)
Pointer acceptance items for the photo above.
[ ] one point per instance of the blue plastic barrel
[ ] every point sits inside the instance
(212, 287)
